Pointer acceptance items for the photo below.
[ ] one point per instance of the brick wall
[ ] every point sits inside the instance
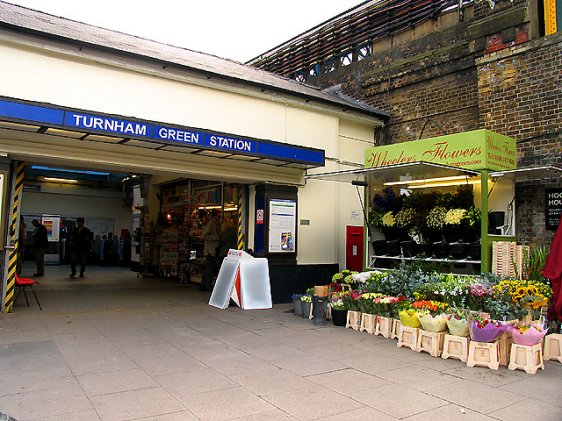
(427, 84)
(490, 71)
(520, 95)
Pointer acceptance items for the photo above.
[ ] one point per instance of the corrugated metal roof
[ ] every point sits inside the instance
(30, 21)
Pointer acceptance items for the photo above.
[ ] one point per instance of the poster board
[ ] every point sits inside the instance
(282, 225)
(552, 208)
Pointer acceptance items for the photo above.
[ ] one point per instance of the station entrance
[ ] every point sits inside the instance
(146, 228)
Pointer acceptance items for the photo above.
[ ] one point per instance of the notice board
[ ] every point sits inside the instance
(552, 208)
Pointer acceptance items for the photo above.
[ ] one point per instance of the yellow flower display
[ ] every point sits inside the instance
(532, 293)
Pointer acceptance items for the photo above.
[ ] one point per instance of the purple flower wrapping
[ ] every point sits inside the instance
(488, 333)
(528, 338)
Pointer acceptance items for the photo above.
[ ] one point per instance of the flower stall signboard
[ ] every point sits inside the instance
(476, 150)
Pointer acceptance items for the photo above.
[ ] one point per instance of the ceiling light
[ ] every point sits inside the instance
(428, 180)
(444, 184)
(59, 180)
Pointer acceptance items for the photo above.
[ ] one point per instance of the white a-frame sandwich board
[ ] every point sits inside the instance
(245, 279)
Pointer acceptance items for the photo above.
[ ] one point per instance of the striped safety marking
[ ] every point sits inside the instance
(14, 237)
(550, 17)
(240, 232)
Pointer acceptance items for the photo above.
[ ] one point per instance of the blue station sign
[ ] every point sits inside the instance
(156, 132)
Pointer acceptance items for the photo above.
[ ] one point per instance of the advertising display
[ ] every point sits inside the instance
(553, 208)
(52, 223)
(474, 150)
(282, 225)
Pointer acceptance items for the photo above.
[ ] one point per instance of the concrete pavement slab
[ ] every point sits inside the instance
(193, 382)
(449, 412)
(225, 404)
(115, 381)
(135, 404)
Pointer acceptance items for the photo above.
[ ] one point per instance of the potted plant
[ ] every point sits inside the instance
(452, 229)
(339, 311)
(434, 222)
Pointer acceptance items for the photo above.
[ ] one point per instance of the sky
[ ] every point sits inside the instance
(239, 30)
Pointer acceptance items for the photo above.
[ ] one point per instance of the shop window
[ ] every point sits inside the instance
(185, 209)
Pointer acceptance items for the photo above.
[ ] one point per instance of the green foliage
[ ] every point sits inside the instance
(464, 197)
(534, 259)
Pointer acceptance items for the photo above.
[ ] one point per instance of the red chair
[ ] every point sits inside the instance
(24, 283)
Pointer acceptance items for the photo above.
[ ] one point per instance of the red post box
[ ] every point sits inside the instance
(354, 253)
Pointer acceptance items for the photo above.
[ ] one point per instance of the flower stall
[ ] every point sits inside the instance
(476, 319)
(445, 200)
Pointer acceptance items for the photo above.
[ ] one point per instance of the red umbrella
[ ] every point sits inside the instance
(553, 271)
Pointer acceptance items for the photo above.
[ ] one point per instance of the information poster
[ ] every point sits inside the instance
(282, 225)
(553, 208)
(52, 223)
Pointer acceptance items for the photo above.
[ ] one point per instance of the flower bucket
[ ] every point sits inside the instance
(297, 306)
(458, 327)
(530, 337)
(306, 306)
(409, 320)
(433, 323)
(339, 317)
(489, 333)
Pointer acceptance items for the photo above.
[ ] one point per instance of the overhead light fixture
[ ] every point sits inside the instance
(231, 209)
(60, 180)
(428, 180)
(448, 183)
(211, 207)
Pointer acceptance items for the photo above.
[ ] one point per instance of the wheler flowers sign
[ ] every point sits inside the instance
(478, 149)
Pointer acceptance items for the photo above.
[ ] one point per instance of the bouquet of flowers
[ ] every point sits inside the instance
(534, 294)
(477, 294)
(306, 298)
(396, 304)
(527, 334)
(339, 277)
(485, 330)
(409, 317)
(382, 305)
(457, 321)
(430, 314)
(351, 299)
(336, 302)
(367, 302)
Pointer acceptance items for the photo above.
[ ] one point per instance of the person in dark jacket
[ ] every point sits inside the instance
(40, 243)
(80, 243)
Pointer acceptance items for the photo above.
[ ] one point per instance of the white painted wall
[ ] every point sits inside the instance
(73, 201)
(70, 78)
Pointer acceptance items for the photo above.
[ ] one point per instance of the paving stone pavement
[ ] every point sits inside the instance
(115, 347)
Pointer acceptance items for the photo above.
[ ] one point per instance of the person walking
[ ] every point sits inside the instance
(40, 243)
(211, 235)
(80, 243)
